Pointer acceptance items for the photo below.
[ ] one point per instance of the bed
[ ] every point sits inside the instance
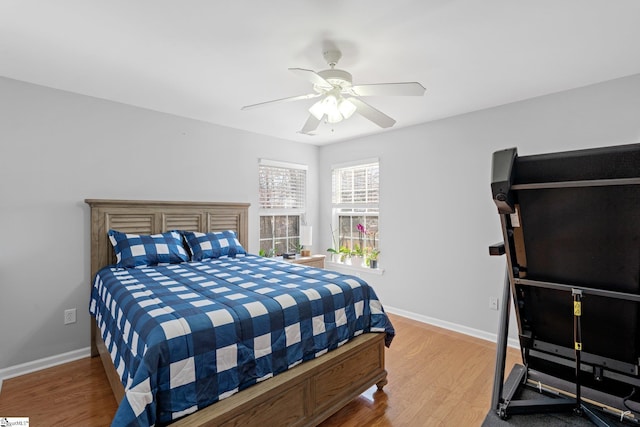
(302, 390)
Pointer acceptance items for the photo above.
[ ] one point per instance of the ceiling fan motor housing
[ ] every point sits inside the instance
(338, 78)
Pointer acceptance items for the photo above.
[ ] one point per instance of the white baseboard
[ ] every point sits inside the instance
(47, 362)
(511, 342)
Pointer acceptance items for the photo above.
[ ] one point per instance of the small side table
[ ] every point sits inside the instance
(312, 261)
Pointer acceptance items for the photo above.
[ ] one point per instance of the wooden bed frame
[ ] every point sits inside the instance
(303, 396)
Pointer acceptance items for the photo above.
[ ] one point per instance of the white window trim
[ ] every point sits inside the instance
(355, 163)
(330, 265)
(280, 164)
(335, 207)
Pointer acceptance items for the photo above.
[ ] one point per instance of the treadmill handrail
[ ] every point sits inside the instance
(570, 288)
(579, 183)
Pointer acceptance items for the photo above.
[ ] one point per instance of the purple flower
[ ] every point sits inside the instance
(360, 228)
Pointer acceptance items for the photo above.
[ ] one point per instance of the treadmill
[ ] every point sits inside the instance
(571, 236)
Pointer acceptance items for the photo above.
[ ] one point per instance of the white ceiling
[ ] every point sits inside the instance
(204, 59)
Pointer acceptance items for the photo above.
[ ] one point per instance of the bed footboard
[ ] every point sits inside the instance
(303, 396)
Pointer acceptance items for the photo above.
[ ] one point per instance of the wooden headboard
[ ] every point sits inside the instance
(152, 217)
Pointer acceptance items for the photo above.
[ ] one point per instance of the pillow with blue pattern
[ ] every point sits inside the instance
(140, 250)
(213, 245)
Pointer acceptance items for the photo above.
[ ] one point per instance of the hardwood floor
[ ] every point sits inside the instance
(436, 378)
(73, 394)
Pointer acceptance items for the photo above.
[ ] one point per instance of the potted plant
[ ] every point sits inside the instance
(357, 255)
(339, 255)
(335, 254)
(270, 253)
(373, 258)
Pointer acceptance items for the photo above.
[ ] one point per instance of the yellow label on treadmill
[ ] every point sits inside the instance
(579, 346)
(577, 308)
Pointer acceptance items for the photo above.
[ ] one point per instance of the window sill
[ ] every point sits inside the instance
(330, 265)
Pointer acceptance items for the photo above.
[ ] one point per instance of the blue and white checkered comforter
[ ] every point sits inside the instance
(184, 336)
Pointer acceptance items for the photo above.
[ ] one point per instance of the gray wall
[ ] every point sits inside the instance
(59, 148)
(437, 218)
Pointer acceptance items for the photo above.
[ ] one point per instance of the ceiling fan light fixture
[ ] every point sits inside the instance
(330, 102)
(317, 110)
(334, 116)
(335, 107)
(332, 85)
(346, 108)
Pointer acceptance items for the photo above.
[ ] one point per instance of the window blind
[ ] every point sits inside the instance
(356, 186)
(282, 186)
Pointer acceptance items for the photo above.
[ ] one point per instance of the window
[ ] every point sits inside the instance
(283, 194)
(356, 195)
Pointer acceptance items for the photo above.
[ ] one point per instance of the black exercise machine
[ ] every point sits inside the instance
(571, 236)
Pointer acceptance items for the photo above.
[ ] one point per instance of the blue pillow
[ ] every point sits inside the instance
(213, 245)
(138, 250)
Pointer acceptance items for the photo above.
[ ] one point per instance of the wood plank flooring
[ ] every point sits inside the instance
(436, 378)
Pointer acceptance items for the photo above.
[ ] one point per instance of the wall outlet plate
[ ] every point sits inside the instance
(493, 303)
(70, 316)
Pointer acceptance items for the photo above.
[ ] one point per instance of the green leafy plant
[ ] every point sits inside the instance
(372, 258)
(357, 250)
(267, 254)
(342, 251)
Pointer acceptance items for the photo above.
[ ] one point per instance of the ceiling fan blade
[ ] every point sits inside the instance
(370, 113)
(312, 76)
(389, 89)
(276, 101)
(310, 125)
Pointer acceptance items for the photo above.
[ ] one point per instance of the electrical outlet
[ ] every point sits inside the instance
(70, 316)
(493, 303)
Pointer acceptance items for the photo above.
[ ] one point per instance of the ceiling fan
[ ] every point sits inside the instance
(339, 98)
